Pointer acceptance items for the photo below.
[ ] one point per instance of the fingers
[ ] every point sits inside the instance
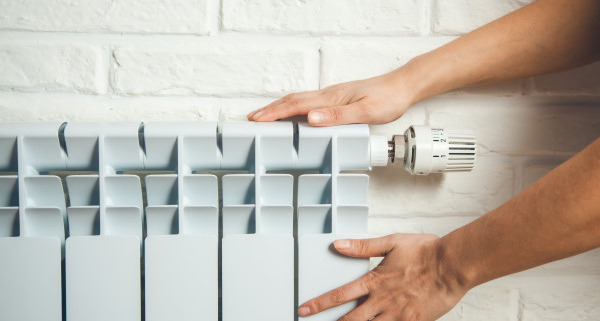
(366, 311)
(290, 105)
(275, 103)
(346, 293)
(338, 115)
(374, 247)
(386, 317)
(322, 110)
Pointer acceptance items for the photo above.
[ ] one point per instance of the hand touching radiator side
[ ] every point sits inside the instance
(422, 276)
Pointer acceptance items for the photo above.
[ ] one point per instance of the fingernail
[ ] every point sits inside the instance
(315, 117)
(257, 115)
(342, 244)
(303, 311)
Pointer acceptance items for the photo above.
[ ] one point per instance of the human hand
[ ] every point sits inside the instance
(411, 283)
(375, 100)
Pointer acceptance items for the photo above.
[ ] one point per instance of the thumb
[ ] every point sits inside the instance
(374, 247)
(338, 115)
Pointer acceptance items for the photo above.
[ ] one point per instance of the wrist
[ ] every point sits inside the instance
(453, 270)
(414, 80)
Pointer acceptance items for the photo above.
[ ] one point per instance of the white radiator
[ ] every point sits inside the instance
(121, 248)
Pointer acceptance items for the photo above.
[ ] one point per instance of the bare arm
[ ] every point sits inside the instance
(422, 277)
(557, 217)
(545, 36)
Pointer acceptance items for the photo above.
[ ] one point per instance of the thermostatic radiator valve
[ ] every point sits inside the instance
(425, 150)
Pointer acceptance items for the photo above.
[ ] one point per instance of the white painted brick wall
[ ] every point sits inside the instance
(52, 67)
(496, 305)
(226, 69)
(488, 186)
(169, 60)
(388, 17)
(573, 304)
(346, 60)
(585, 81)
(455, 17)
(137, 16)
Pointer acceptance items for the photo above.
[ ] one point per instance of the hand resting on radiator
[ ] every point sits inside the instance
(561, 34)
(375, 101)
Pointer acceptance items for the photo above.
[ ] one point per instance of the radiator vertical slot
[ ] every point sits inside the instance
(267, 253)
(200, 201)
(330, 206)
(161, 213)
(9, 206)
(31, 262)
(181, 276)
(105, 270)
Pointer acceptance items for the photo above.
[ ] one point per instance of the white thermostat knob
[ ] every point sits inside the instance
(436, 150)
(425, 150)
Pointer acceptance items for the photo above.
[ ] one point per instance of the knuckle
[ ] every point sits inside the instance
(395, 238)
(386, 298)
(370, 280)
(288, 97)
(372, 277)
(294, 104)
(412, 315)
(344, 318)
(338, 296)
(315, 306)
(335, 113)
(331, 88)
(362, 246)
(431, 237)
(364, 112)
(333, 95)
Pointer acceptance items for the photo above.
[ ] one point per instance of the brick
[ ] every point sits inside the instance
(380, 226)
(372, 17)
(484, 304)
(533, 172)
(215, 70)
(139, 16)
(582, 80)
(393, 192)
(456, 17)
(74, 108)
(51, 67)
(565, 303)
(519, 126)
(585, 264)
(351, 60)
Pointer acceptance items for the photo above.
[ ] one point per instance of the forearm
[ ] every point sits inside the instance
(557, 217)
(545, 36)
